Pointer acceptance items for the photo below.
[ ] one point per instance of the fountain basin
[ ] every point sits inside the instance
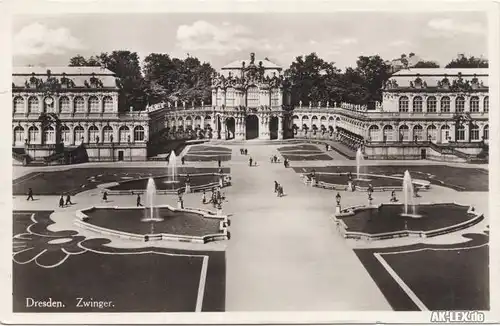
(171, 224)
(386, 221)
(379, 182)
(198, 182)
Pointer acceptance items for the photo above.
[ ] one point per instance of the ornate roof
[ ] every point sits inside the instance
(68, 77)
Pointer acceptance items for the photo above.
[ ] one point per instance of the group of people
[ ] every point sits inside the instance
(62, 202)
(216, 197)
(243, 151)
(275, 159)
(252, 162)
(278, 189)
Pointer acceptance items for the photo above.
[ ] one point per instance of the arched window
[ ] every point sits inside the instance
(65, 135)
(460, 104)
(418, 133)
(486, 104)
(78, 134)
(18, 104)
(189, 122)
(124, 134)
(33, 105)
(388, 133)
(403, 104)
(445, 104)
(18, 135)
(432, 133)
(49, 104)
(253, 97)
(93, 134)
(431, 104)
(486, 132)
(305, 120)
(275, 97)
(404, 133)
(417, 104)
(474, 104)
(373, 133)
(108, 103)
(139, 133)
(107, 133)
(33, 135)
(49, 135)
(230, 97)
(445, 133)
(94, 104)
(474, 132)
(79, 104)
(460, 132)
(197, 121)
(314, 120)
(64, 104)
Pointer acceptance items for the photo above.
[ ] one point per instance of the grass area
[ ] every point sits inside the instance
(162, 183)
(129, 220)
(314, 157)
(207, 158)
(458, 178)
(204, 148)
(303, 147)
(77, 180)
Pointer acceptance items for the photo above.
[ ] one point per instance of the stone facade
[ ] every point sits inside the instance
(84, 102)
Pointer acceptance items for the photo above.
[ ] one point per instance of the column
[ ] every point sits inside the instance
(71, 104)
(25, 98)
(57, 108)
(101, 103)
(86, 104)
(280, 127)
(467, 132)
(452, 104)
(41, 104)
(215, 130)
(223, 131)
(26, 135)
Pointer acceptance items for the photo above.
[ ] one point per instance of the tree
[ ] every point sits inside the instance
(77, 61)
(426, 64)
(375, 72)
(464, 62)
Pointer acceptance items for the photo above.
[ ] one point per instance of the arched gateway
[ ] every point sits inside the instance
(252, 126)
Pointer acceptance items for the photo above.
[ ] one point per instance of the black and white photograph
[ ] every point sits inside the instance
(231, 160)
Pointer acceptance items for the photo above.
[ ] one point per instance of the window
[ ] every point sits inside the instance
(418, 133)
(18, 135)
(219, 99)
(108, 104)
(460, 132)
(139, 133)
(180, 122)
(253, 97)
(94, 104)
(64, 104)
(107, 133)
(431, 104)
(18, 104)
(33, 105)
(230, 97)
(474, 132)
(79, 134)
(79, 104)
(417, 104)
(445, 133)
(65, 135)
(486, 132)
(49, 135)
(373, 133)
(486, 103)
(388, 133)
(403, 104)
(93, 134)
(189, 122)
(432, 133)
(460, 104)
(275, 97)
(124, 134)
(403, 133)
(474, 104)
(305, 120)
(33, 135)
(445, 104)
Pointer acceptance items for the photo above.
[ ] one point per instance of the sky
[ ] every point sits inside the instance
(338, 37)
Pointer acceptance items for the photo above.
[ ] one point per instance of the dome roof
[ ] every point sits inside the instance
(238, 64)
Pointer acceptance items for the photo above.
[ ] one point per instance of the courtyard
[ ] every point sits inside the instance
(284, 253)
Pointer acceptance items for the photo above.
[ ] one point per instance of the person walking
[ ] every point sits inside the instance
(61, 201)
(219, 163)
(203, 197)
(246, 151)
(250, 161)
(276, 186)
(183, 160)
(139, 200)
(30, 194)
(105, 196)
(68, 200)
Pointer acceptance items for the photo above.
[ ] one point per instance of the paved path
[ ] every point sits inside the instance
(284, 253)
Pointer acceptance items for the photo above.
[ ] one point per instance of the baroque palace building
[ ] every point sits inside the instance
(56, 110)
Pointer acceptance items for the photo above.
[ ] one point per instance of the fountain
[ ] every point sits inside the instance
(150, 207)
(171, 168)
(359, 165)
(409, 197)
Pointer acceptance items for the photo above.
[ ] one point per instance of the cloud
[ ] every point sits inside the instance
(214, 39)
(38, 39)
(448, 27)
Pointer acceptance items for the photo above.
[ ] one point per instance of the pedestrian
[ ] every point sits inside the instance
(105, 197)
(30, 194)
(219, 163)
(250, 161)
(220, 171)
(68, 200)
(246, 151)
(139, 200)
(183, 160)
(61, 201)
(203, 197)
(276, 186)
(415, 192)
(278, 160)
(272, 159)
(242, 151)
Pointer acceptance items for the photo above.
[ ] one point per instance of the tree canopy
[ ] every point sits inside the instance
(426, 64)
(471, 62)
